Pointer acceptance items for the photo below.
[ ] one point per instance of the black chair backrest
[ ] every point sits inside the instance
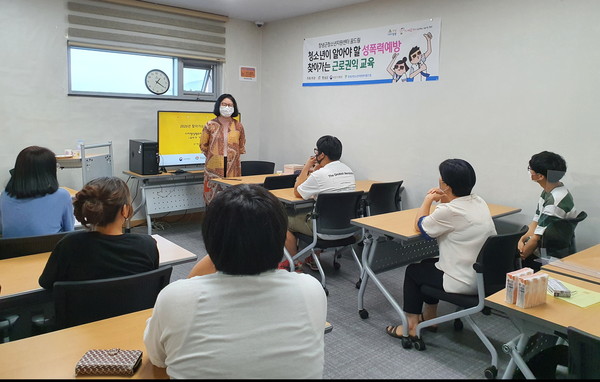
(384, 197)
(334, 211)
(257, 167)
(496, 258)
(276, 182)
(22, 246)
(80, 302)
(559, 236)
(584, 353)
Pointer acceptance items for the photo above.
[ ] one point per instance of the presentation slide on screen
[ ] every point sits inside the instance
(179, 137)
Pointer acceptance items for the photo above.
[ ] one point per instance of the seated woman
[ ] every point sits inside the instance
(103, 251)
(461, 223)
(248, 319)
(32, 204)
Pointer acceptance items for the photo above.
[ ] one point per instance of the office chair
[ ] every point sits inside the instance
(280, 181)
(80, 302)
(22, 246)
(495, 259)
(584, 353)
(257, 167)
(331, 216)
(381, 198)
(558, 239)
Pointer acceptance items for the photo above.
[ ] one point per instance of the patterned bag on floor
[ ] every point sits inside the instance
(109, 362)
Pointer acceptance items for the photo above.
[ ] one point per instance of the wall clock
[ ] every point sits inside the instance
(157, 81)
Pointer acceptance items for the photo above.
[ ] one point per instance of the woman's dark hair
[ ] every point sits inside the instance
(244, 230)
(401, 63)
(216, 110)
(458, 174)
(34, 174)
(330, 146)
(549, 164)
(100, 200)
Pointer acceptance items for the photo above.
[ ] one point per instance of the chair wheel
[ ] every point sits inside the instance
(491, 372)
(458, 324)
(363, 313)
(406, 343)
(336, 265)
(419, 344)
(358, 283)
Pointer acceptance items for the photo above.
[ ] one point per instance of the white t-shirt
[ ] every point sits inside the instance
(461, 227)
(334, 177)
(222, 326)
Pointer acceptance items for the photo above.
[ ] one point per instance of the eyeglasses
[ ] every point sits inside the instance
(528, 168)
(226, 104)
(316, 151)
(415, 54)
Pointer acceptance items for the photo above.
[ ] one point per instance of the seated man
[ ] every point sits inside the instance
(322, 172)
(555, 202)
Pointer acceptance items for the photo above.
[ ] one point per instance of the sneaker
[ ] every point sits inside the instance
(311, 263)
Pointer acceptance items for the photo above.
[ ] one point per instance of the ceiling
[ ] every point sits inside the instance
(259, 10)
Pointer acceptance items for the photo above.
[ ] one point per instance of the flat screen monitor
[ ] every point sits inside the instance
(179, 137)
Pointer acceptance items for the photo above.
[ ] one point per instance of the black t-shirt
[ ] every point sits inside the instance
(85, 255)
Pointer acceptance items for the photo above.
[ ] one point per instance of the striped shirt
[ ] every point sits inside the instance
(552, 206)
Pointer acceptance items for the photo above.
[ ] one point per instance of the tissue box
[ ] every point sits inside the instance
(512, 279)
(290, 168)
(532, 290)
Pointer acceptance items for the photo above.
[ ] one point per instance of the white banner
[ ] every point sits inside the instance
(397, 53)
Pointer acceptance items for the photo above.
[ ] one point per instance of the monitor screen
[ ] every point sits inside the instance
(179, 137)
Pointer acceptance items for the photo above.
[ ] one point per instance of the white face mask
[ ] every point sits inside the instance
(226, 111)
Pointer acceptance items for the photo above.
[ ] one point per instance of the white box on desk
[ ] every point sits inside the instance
(291, 168)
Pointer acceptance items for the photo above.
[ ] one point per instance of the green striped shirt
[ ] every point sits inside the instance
(554, 205)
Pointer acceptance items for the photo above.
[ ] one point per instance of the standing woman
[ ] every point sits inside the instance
(222, 142)
(32, 204)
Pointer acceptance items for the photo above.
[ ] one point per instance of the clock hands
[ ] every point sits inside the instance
(158, 82)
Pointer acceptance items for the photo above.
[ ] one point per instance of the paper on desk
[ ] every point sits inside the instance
(579, 296)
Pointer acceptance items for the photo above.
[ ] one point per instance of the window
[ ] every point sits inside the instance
(101, 72)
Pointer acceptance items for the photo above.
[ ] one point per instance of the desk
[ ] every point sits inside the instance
(398, 225)
(21, 274)
(169, 192)
(249, 179)
(54, 355)
(71, 191)
(583, 265)
(554, 315)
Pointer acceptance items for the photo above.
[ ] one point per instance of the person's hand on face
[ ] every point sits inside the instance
(435, 194)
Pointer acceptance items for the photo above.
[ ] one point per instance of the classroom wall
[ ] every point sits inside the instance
(516, 77)
(36, 110)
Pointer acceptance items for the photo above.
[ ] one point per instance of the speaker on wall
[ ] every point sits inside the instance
(143, 158)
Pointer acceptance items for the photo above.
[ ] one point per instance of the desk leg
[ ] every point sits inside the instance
(367, 244)
(368, 273)
(143, 203)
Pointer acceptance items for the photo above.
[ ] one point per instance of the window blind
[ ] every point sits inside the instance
(123, 26)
